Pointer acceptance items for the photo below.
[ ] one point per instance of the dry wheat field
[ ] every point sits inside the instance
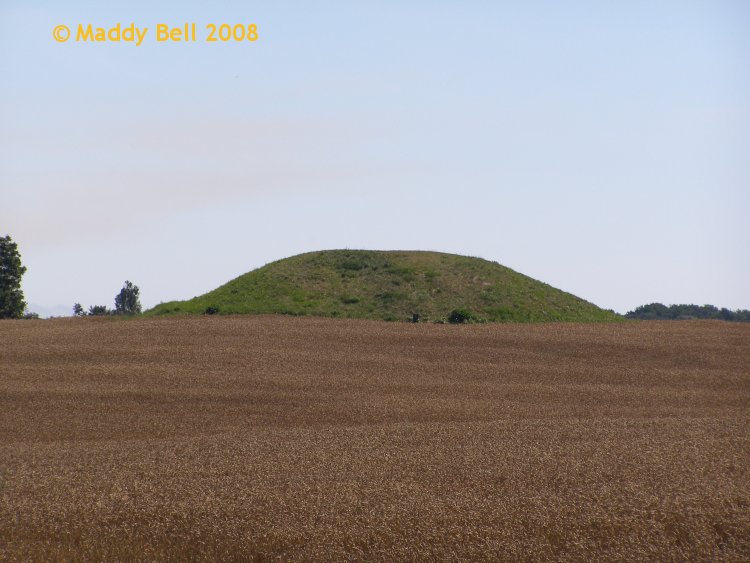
(265, 438)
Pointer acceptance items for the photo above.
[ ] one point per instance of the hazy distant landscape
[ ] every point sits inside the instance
(241, 437)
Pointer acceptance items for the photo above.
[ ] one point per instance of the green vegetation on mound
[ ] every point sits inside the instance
(390, 285)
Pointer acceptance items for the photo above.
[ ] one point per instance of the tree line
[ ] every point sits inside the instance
(659, 311)
(13, 303)
(127, 302)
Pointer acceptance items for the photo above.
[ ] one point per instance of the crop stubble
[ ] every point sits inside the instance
(242, 438)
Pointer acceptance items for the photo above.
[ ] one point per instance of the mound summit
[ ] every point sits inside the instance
(389, 285)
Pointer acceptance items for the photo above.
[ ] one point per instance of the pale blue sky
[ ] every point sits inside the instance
(601, 147)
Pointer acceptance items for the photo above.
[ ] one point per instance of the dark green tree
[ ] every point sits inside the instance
(78, 310)
(12, 304)
(98, 311)
(127, 301)
(658, 311)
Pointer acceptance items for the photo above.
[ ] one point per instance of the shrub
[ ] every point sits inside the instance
(99, 311)
(355, 262)
(406, 274)
(211, 310)
(460, 316)
(389, 296)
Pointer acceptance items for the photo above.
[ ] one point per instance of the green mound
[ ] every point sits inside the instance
(390, 285)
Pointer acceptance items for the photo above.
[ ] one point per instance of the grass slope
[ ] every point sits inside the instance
(390, 285)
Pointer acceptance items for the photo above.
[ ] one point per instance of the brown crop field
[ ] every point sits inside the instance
(244, 438)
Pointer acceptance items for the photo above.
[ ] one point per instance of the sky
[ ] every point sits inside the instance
(601, 147)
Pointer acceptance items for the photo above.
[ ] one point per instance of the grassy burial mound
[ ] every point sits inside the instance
(390, 285)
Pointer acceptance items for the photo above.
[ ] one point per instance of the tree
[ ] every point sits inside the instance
(127, 302)
(98, 311)
(460, 316)
(12, 303)
(652, 311)
(658, 311)
(78, 310)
